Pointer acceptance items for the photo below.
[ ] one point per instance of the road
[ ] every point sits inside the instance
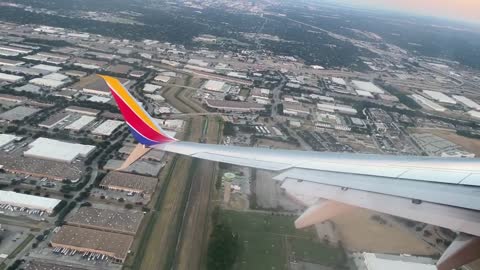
(277, 95)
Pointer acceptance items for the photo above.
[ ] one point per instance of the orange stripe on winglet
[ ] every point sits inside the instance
(125, 95)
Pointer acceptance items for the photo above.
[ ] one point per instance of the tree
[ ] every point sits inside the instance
(222, 249)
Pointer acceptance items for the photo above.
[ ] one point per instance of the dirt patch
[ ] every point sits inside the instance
(359, 232)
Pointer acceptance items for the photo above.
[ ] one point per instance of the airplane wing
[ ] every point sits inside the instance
(439, 191)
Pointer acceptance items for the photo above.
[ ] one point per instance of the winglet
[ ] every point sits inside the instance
(141, 125)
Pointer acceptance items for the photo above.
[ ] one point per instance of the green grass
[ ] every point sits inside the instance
(21, 246)
(270, 242)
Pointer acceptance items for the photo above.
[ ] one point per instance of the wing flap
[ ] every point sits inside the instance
(453, 218)
(454, 195)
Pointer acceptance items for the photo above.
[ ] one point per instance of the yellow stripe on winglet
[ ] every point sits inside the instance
(125, 95)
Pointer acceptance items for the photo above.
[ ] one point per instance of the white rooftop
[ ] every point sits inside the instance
(80, 123)
(47, 67)
(57, 150)
(374, 262)
(6, 139)
(439, 96)
(162, 78)
(99, 99)
(467, 102)
(56, 77)
(367, 86)
(213, 85)
(364, 93)
(475, 114)
(426, 102)
(35, 202)
(9, 78)
(150, 88)
(338, 81)
(107, 127)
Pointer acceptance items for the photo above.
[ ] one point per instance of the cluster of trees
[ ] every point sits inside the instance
(223, 246)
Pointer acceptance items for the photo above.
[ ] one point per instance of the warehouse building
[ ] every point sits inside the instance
(7, 139)
(82, 110)
(467, 102)
(113, 245)
(234, 106)
(28, 201)
(216, 86)
(44, 148)
(107, 128)
(116, 221)
(127, 182)
(428, 104)
(332, 108)
(28, 88)
(54, 120)
(80, 123)
(10, 78)
(8, 62)
(18, 113)
(40, 168)
(440, 97)
(53, 80)
(437, 146)
(367, 86)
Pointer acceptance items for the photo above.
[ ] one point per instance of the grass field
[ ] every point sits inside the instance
(271, 242)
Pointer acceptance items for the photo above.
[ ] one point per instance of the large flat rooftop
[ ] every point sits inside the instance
(105, 219)
(112, 244)
(129, 181)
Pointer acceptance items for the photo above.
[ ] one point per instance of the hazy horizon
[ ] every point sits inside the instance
(464, 10)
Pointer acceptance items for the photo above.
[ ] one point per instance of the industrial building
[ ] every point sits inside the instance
(53, 80)
(28, 201)
(8, 62)
(234, 106)
(54, 120)
(150, 88)
(48, 68)
(474, 114)
(113, 245)
(82, 110)
(332, 108)
(428, 104)
(11, 98)
(54, 170)
(44, 148)
(216, 86)
(28, 88)
(367, 86)
(7, 138)
(467, 102)
(437, 146)
(371, 261)
(117, 221)
(107, 127)
(18, 113)
(129, 183)
(440, 97)
(81, 122)
(10, 78)
(295, 109)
